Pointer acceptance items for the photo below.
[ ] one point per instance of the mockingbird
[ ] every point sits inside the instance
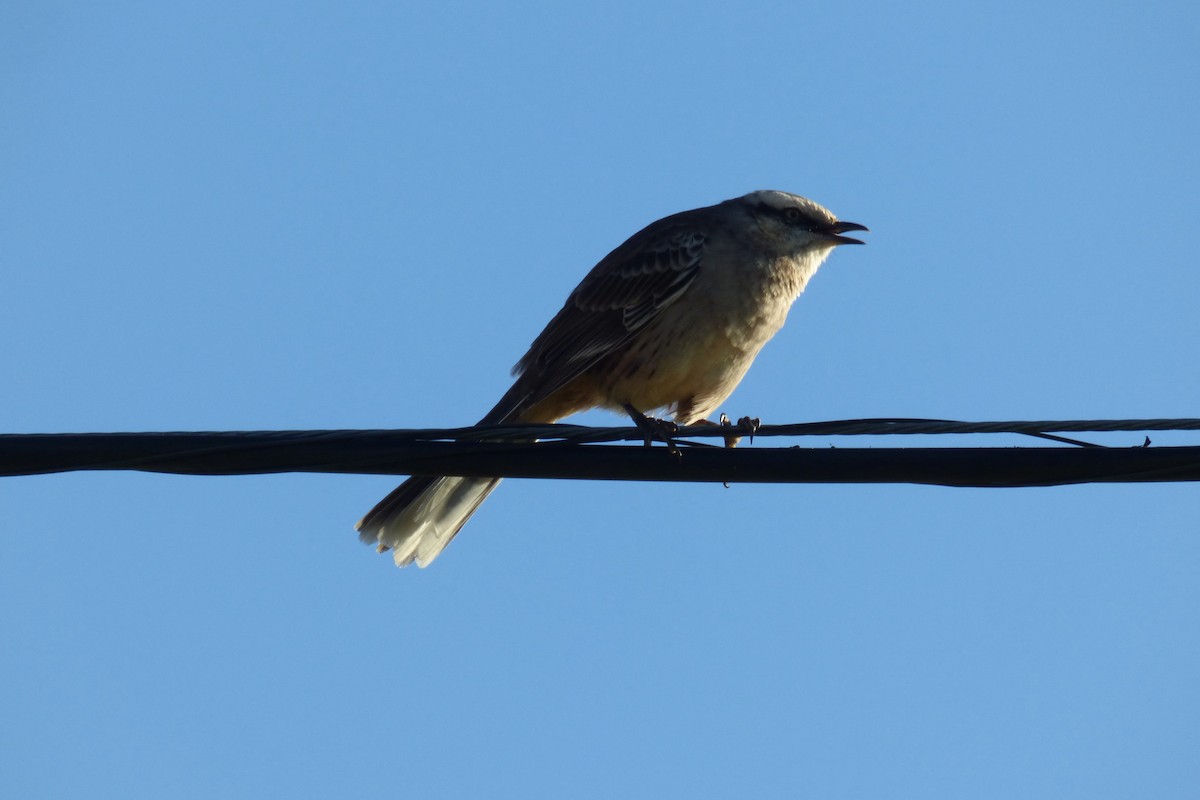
(671, 319)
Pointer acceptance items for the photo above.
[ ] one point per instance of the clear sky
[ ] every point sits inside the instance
(222, 216)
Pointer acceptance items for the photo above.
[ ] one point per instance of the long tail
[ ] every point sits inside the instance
(420, 517)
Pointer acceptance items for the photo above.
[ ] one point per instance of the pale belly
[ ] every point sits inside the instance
(688, 369)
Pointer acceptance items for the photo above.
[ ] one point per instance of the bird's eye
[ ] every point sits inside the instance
(792, 215)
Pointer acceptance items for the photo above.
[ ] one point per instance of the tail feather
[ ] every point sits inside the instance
(420, 517)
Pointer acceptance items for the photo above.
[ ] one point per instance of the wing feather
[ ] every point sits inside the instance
(622, 294)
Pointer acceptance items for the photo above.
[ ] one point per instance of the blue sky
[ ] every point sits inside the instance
(228, 216)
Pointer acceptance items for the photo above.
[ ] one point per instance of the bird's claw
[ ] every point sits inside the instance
(749, 425)
(652, 428)
(746, 426)
(664, 430)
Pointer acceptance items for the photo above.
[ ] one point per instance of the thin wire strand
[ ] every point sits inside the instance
(884, 426)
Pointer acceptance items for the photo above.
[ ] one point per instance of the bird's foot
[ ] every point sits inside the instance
(746, 426)
(661, 429)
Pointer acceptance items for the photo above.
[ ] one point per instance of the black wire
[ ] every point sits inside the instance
(572, 451)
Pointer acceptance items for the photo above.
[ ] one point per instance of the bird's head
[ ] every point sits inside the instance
(795, 223)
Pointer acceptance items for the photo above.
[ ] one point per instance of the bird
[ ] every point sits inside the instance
(670, 320)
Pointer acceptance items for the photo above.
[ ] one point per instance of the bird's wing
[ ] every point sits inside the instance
(619, 297)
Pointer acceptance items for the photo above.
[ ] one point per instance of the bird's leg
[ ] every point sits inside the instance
(652, 429)
(731, 439)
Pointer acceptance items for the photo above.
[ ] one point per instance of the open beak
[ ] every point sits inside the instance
(838, 228)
